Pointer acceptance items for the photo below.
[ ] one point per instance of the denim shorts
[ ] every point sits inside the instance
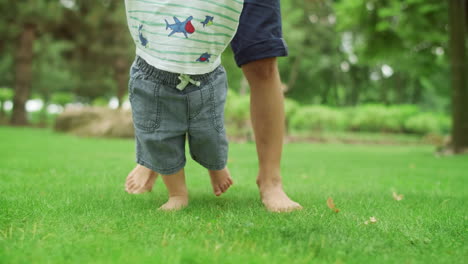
(259, 35)
(164, 116)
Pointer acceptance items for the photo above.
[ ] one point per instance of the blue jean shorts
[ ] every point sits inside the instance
(259, 35)
(164, 116)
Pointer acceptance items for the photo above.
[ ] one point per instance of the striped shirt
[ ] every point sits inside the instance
(183, 36)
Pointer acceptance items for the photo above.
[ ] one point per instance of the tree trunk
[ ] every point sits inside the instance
(2, 111)
(23, 74)
(399, 89)
(417, 92)
(354, 86)
(457, 22)
(384, 91)
(120, 69)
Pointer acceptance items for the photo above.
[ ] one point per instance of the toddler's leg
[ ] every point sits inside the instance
(178, 195)
(140, 180)
(220, 180)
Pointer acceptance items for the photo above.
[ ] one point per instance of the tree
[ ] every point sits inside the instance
(103, 48)
(23, 73)
(458, 34)
(311, 71)
(51, 72)
(26, 20)
(410, 37)
(122, 51)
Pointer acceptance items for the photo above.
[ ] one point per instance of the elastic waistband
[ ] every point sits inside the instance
(169, 78)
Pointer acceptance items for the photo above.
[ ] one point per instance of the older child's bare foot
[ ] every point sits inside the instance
(175, 203)
(178, 195)
(275, 199)
(140, 180)
(220, 180)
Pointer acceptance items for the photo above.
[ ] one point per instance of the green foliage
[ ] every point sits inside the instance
(425, 123)
(51, 70)
(237, 115)
(381, 118)
(62, 98)
(6, 66)
(290, 107)
(100, 101)
(409, 36)
(368, 118)
(234, 73)
(42, 118)
(5, 94)
(237, 108)
(318, 118)
(334, 49)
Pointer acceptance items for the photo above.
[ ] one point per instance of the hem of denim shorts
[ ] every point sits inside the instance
(244, 56)
(219, 166)
(167, 171)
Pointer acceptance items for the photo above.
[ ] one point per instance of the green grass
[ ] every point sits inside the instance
(62, 201)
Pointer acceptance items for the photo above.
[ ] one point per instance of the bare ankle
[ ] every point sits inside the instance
(269, 177)
(178, 195)
(265, 181)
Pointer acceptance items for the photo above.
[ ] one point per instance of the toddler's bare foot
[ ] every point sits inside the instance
(175, 203)
(220, 180)
(275, 199)
(178, 194)
(140, 180)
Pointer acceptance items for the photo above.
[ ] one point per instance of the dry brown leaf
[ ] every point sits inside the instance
(397, 197)
(372, 220)
(331, 205)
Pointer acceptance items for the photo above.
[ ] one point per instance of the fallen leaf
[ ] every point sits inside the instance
(331, 205)
(397, 197)
(372, 220)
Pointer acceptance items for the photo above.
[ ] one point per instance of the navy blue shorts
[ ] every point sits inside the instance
(259, 35)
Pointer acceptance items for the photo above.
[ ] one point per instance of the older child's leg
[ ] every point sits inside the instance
(267, 114)
(178, 195)
(220, 180)
(140, 180)
(256, 51)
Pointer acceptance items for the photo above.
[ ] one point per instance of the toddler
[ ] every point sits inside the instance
(177, 89)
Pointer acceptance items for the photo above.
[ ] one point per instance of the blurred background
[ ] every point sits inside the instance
(358, 70)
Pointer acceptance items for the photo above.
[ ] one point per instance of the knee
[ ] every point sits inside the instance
(261, 70)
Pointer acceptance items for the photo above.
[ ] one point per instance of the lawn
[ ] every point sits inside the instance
(62, 201)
